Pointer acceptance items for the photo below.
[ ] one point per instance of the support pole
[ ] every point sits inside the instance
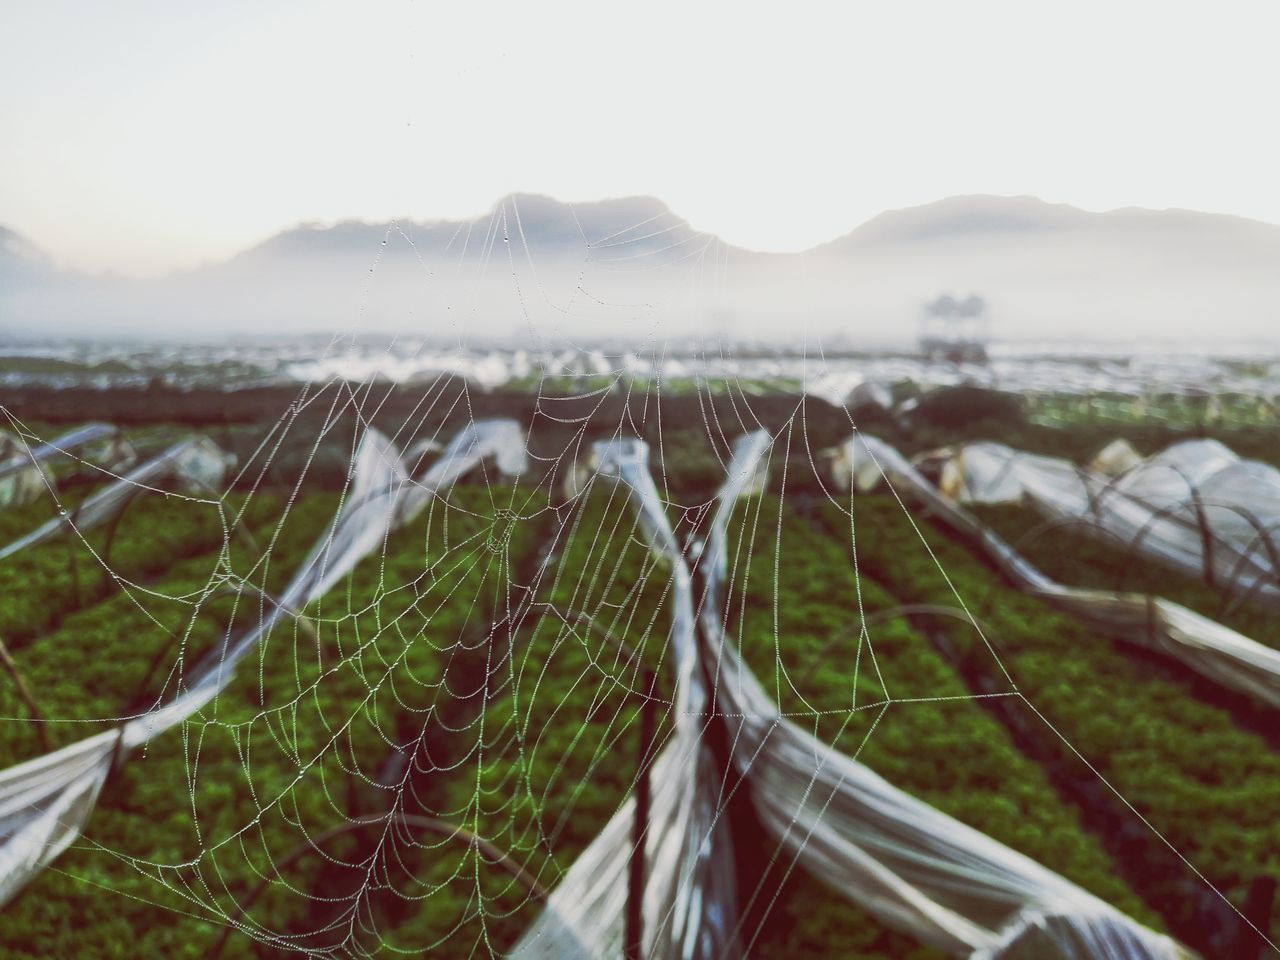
(24, 694)
(633, 948)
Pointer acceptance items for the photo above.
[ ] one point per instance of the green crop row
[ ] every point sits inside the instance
(555, 750)
(18, 520)
(43, 583)
(891, 701)
(556, 753)
(1070, 556)
(1209, 788)
(404, 634)
(559, 751)
(95, 900)
(469, 577)
(1228, 409)
(294, 747)
(527, 735)
(109, 659)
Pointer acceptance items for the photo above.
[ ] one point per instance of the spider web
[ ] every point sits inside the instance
(420, 721)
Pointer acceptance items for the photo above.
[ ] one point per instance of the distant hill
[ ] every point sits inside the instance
(972, 218)
(632, 267)
(960, 217)
(603, 231)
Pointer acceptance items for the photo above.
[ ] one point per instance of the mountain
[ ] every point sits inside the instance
(1055, 271)
(632, 267)
(1028, 219)
(602, 231)
(967, 217)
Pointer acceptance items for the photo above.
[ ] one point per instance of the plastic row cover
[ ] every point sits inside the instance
(905, 862)
(688, 907)
(1195, 506)
(196, 463)
(1208, 647)
(22, 476)
(45, 802)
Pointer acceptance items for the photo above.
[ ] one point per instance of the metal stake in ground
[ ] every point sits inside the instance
(633, 947)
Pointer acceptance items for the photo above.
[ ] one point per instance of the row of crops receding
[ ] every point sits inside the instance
(413, 760)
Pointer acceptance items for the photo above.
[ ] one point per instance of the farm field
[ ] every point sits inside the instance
(1206, 786)
(1072, 556)
(936, 743)
(414, 758)
(570, 482)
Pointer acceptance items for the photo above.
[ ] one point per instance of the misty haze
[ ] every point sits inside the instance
(535, 266)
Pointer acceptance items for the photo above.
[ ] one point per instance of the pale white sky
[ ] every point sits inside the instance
(144, 136)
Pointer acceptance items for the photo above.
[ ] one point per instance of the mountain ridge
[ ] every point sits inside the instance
(956, 214)
(532, 261)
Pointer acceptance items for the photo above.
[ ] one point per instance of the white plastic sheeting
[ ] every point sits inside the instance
(1196, 506)
(849, 389)
(1115, 458)
(195, 464)
(1206, 646)
(486, 370)
(45, 802)
(689, 896)
(18, 454)
(500, 440)
(22, 476)
(898, 858)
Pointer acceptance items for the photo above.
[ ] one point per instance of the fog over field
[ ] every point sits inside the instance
(632, 267)
(681, 481)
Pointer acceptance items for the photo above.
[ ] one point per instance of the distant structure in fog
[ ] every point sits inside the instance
(954, 331)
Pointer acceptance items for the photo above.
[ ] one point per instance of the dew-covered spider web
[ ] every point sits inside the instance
(562, 651)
